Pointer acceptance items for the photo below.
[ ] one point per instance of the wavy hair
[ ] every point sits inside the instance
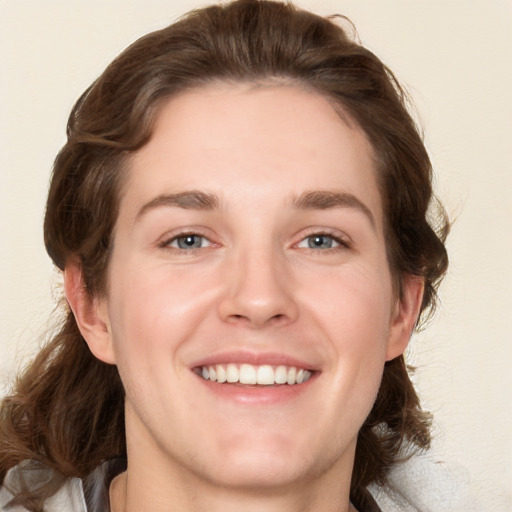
(66, 410)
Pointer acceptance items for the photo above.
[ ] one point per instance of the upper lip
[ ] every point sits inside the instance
(256, 359)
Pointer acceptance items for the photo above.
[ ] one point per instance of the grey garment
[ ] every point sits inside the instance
(90, 494)
(96, 486)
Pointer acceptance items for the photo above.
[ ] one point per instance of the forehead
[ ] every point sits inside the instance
(227, 138)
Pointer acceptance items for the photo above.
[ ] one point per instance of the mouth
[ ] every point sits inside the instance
(254, 375)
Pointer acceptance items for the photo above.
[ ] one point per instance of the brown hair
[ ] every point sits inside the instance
(67, 408)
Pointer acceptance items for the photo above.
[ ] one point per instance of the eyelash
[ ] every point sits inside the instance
(341, 243)
(167, 243)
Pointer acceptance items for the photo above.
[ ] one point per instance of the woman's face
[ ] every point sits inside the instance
(249, 307)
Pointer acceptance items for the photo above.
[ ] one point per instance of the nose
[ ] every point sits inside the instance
(258, 291)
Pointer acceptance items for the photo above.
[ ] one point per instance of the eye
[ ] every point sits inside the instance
(188, 241)
(320, 241)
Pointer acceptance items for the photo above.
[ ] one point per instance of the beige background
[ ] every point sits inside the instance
(455, 57)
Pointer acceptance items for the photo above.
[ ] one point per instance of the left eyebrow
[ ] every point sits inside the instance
(325, 199)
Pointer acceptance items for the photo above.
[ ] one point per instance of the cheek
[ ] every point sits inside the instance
(354, 315)
(153, 311)
(355, 307)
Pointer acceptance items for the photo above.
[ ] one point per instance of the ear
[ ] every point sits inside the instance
(91, 314)
(405, 316)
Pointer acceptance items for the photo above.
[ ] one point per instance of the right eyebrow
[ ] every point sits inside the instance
(189, 200)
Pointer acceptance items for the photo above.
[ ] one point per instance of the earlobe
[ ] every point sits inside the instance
(90, 314)
(405, 316)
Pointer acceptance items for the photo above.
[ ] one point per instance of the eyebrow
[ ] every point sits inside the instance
(189, 200)
(311, 200)
(326, 199)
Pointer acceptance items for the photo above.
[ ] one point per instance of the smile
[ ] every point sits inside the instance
(263, 375)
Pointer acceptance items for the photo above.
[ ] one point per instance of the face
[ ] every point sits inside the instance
(249, 306)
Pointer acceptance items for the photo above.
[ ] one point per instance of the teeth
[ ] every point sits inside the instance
(264, 375)
(232, 374)
(221, 373)
(247, 374)
(281, 375)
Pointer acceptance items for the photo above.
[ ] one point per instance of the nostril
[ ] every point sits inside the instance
(238, 319)
(277, 318)
(244, 319)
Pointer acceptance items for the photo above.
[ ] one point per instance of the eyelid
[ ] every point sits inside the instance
(176, 240)
(166, 240)
(342, 239)
(304, 244)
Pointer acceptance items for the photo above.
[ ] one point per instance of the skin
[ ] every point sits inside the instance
(254, 287)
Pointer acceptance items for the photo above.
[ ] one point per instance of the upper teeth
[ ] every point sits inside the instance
(265, 375)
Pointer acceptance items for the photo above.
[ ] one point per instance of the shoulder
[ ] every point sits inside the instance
(424, 484)
(71, 494)
(30, 477)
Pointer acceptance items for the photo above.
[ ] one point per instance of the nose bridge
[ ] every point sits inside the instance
(258, 287)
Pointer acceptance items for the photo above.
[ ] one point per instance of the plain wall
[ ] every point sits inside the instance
(454, 56)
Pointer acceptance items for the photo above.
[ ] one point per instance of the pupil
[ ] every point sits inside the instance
(189, 241)
(320, 241)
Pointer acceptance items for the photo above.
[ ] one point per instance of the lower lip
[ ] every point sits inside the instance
(263, 395)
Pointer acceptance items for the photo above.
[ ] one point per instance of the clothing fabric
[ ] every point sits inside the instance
(422, 484)
(425, 483)
(90, 494)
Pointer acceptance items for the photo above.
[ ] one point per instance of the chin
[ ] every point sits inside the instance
(257, 471)
(266, 462)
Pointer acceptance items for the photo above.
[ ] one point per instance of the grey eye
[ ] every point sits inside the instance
(321, 242)
(188, 242)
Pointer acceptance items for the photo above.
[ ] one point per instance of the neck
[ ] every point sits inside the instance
(128, 494)
(159, 482)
